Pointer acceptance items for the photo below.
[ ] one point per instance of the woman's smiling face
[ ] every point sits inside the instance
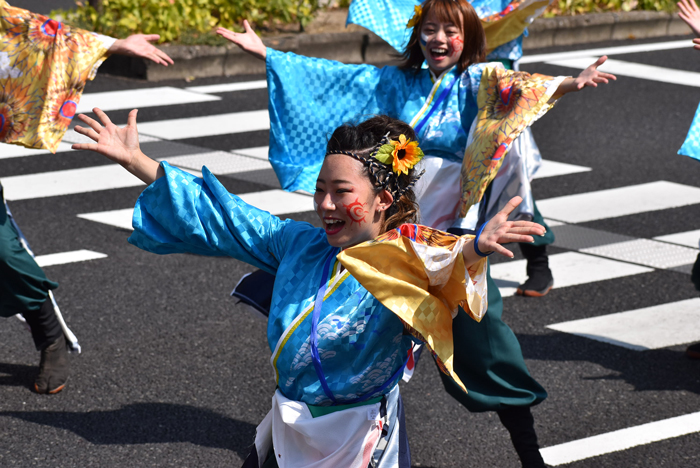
(441, 42)
(346, 202)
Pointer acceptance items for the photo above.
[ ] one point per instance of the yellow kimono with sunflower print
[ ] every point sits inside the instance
(44, 65)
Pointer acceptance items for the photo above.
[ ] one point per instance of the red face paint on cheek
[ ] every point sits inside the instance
(457, 45)
(356, 212)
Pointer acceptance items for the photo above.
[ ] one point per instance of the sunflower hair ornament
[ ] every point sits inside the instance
(417, 12)
(397, 156)
(402, 154)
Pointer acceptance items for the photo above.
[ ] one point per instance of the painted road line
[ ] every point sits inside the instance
(72, 136)
(117, 218)
(72, 181)
(67, 257)
(219, 162)
(553, 222)
(140, 98)
(621, 440)
(654, 327)
(689, 239)
(635, 70)
(229, 87)
(619, 50)
(590, 206)
(15, 151)
(569, 269)
(277, 202)
(259, 152)
(195, 127)
(555, 168)
(646, 252)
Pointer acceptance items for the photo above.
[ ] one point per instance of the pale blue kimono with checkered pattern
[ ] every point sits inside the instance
(691, 145)
(311, 97)
(387, 19)
(361, 342)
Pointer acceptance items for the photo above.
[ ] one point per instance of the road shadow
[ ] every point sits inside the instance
(655, 369)
(17, 375)
(150, 423)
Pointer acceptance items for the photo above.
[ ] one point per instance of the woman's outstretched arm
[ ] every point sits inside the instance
(248, 41)
(120, 145)
(591, 76)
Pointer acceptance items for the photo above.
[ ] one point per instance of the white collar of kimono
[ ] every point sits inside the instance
(432, 75)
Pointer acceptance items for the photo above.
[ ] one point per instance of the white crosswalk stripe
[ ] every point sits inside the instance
(615, 50)
(229, 87)
(623, 201)
(68, 257)
(276, 202)
(569, 269)
(649, 328)
(14, 151)
(621, 440)
(140, 98)
(72, 181)
(635, 70)
(197, 127)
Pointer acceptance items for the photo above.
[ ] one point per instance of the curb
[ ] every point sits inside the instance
(598, 27)
(358, 45)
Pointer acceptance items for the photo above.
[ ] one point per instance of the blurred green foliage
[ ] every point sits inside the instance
(187, 21)
(578, 7)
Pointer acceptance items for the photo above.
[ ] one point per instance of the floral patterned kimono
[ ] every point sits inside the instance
(341, 324)
(44, 65)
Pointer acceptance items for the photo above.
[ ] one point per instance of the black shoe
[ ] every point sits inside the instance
(693, 351)
(539, 276)
(53, 368)
(537, 285)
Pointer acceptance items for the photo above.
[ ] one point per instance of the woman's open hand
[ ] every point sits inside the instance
(501, 231)
(248, 41)
(690, 13)
(139, 45)
(120, 145)
(591, 76)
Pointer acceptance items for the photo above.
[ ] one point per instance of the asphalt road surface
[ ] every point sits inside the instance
(174, 373)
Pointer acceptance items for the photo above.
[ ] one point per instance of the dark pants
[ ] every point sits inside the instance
(24, 288)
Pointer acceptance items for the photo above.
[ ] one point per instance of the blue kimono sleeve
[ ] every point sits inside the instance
(691, 145)
(180, 213)
(308, 99)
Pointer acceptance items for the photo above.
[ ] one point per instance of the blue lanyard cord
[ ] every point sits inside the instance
(443, 95)
(318, 304)
(314, 326)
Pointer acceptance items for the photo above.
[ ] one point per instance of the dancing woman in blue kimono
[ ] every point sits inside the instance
(344, 314)
(454, 102)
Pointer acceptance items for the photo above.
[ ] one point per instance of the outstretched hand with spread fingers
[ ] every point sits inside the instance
(139, 45)
(248, 41)
(591, 76)
(501, 231)
(120, 145)
(690, 13)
